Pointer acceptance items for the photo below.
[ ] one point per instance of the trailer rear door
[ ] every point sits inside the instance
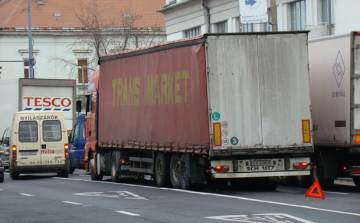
(259, 91)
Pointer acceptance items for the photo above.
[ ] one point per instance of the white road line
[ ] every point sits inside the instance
(128, 213)
(1, 189)
(330, 192)
(27, 195)
(74, 203)
(229, 196)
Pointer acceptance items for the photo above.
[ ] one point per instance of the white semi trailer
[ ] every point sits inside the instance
(335, 103)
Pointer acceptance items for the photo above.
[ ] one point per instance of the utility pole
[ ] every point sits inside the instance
(273, 10)
(31, 59)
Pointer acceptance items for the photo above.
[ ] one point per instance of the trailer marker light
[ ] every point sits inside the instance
(355, 170)
(300, 165)
(357, 138)
(345, 168)
(13, 148)
(222, 168)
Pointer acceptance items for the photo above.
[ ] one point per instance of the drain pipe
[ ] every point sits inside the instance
(208, 15)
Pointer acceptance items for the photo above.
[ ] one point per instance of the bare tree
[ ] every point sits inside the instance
(102, 34)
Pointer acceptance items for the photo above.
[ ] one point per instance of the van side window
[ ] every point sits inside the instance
(51, 131)
(28, 131)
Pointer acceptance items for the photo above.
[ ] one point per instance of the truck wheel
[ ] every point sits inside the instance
(114, 172)
(1, 177)
(162, 170)
(185, 172)
(318, 173)
(175, 170)
(357, 181)
(92, 172)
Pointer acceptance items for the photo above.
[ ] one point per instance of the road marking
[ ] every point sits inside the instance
(112, 194)
(271, 218)
(27, 195)
(75, 203)
(330, 192)
(1, 189)
(128, 213)
(228, 196)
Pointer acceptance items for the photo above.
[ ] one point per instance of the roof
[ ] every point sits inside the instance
(14, 13)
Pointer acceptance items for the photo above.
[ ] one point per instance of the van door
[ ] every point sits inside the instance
(51, 143)
(28, 145)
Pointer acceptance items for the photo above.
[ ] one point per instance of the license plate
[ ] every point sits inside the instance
(258, 165)
(28, 153)
(124, 167)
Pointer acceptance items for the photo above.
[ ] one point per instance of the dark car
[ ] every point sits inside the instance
(4, 147)
(1, 171)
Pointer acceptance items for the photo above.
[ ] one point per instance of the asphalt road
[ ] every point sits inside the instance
(47, 198)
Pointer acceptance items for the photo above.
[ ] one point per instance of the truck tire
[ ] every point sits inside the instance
(175, 171)
(318, 173)
(92, 172)
(185, 172)
(357, 181)
(162, 170)
(1, 177)
(114, 172)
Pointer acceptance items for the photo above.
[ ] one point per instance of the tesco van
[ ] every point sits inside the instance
(38, 143)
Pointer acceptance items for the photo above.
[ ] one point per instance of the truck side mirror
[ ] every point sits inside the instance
(78, 106)
(69, 138)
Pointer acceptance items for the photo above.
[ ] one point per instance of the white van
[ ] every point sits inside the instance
(38, 143)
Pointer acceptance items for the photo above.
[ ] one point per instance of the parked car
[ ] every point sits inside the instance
(4, 147)
(1, 171)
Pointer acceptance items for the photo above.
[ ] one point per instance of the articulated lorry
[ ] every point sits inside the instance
(217, 106)
(37, 95)
(335, 99)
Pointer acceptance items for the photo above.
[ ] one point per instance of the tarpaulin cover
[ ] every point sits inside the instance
(158, 97)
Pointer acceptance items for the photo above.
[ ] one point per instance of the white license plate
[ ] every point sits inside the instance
(124, 167)
(259, 165)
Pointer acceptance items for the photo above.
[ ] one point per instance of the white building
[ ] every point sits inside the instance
(187, 18)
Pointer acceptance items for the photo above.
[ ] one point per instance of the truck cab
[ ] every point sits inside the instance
(77, 143)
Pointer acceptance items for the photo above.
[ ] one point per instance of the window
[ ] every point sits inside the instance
(26, 69)
(222, 27)
(324, 11)
(28, 131)
(298, 15)
(51, 131)
(193, 32)
(82, 71)
(74, 133)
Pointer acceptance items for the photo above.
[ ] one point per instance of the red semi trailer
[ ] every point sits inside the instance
(225, 106)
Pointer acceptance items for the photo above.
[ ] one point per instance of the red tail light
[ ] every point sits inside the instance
(300, 165)
(222, 168)
(125, 162)
(66, 147)
(14, 149)
(355, 170)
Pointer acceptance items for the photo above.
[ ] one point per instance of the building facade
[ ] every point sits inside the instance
(186, 18)
(67, 40)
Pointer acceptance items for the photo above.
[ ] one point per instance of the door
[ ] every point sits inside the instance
(52, 143)
(28, 145)
(77, 143)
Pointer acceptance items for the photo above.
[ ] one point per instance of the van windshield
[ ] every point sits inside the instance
(28, 131)
(51, 131)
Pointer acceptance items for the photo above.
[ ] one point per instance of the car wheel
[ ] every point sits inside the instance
(71, 169)
(1, 177)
